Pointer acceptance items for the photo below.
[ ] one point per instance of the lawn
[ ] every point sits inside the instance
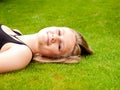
(97, 20)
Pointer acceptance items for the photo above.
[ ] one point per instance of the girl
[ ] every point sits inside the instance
(51, 44)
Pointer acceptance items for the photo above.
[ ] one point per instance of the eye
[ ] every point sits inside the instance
(59, 46)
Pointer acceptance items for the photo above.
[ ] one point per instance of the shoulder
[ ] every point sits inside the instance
(21, 49)
(15, 57)
(16, 49)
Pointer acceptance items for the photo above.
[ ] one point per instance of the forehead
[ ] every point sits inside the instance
(69, 40)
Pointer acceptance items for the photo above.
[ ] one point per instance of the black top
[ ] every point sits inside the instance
(5, 38)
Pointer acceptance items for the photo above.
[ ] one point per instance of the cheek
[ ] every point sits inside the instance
(42, 37)
(50, 50)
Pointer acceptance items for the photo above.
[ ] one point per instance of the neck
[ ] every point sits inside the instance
(31, 41)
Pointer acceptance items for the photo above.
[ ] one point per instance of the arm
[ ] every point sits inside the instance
(15, 58)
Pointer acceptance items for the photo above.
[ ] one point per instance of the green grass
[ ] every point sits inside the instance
(97, 20)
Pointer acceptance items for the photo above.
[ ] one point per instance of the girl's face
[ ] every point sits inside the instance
(56, 41)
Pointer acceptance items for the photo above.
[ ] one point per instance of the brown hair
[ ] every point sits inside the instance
(81, 48)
